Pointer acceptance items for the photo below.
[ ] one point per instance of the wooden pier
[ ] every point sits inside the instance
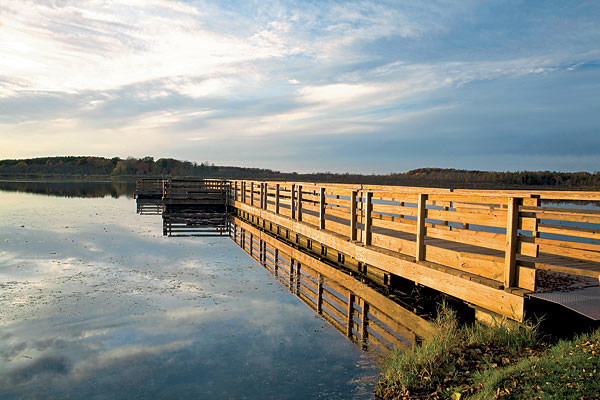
(485, 248)
(482, 247)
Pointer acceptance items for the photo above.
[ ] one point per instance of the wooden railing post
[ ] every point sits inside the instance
(277, 198)
(421, 215)
(293, 201)
(367, 221)
(299, 202)
(262, 195)
(276, 263)
(266, 196)
(510, 253)
(252, 193)
(536, 203)
(243, 192)
(322, 208)
(353, 215)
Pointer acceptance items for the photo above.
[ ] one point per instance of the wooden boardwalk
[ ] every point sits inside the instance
(483, 247)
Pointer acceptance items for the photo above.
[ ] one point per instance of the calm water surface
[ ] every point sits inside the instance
(96, 304)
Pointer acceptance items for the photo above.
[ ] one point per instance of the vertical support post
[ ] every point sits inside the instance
(510, 253)
(536, 203)
(266, 196)
(353, 215)
(534, 232)
(401, 215)
(445, 222)
(243, 192)
(277, 198)
(276, 263)
(322, 208)
(350, 311)
(252, 193)
(421, 215)
(360, 205)
(293, 201)
(299, 203)
(320, 294)
(367, 222)
(262, 195)
(235, 195)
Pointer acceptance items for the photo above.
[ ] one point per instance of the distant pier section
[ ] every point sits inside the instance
(189, 207)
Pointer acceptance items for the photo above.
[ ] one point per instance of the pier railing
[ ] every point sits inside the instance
(498, 237)
(195, 191)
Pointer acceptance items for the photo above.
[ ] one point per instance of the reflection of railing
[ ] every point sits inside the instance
(352, 307)
(195, 207)
(498, 237)
(196, 222)
(147, 206)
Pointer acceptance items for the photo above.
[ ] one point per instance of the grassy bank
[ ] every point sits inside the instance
(483, 362)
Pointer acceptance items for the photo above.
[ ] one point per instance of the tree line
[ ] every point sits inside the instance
(81, 167)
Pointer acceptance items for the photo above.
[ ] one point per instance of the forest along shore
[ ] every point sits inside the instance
(100, 168)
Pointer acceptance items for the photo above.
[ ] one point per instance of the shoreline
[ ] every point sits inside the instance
(477, 361)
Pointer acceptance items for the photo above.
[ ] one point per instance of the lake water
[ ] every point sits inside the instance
(95, 303)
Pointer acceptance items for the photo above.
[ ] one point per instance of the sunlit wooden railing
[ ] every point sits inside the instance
(195, 191)
(501, 236)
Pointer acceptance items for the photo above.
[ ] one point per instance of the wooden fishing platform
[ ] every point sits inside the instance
(485, 248)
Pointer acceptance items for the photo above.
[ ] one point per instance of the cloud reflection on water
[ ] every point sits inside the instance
(147, 316)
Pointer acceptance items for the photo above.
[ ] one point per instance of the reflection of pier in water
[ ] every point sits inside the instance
(354, 308)
(189, 207)
(149, 206)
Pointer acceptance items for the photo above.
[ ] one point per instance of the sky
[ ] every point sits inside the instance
(342, 86)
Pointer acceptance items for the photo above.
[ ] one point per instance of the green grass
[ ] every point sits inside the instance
(568, 370)
(479, 361)
(447, 363)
